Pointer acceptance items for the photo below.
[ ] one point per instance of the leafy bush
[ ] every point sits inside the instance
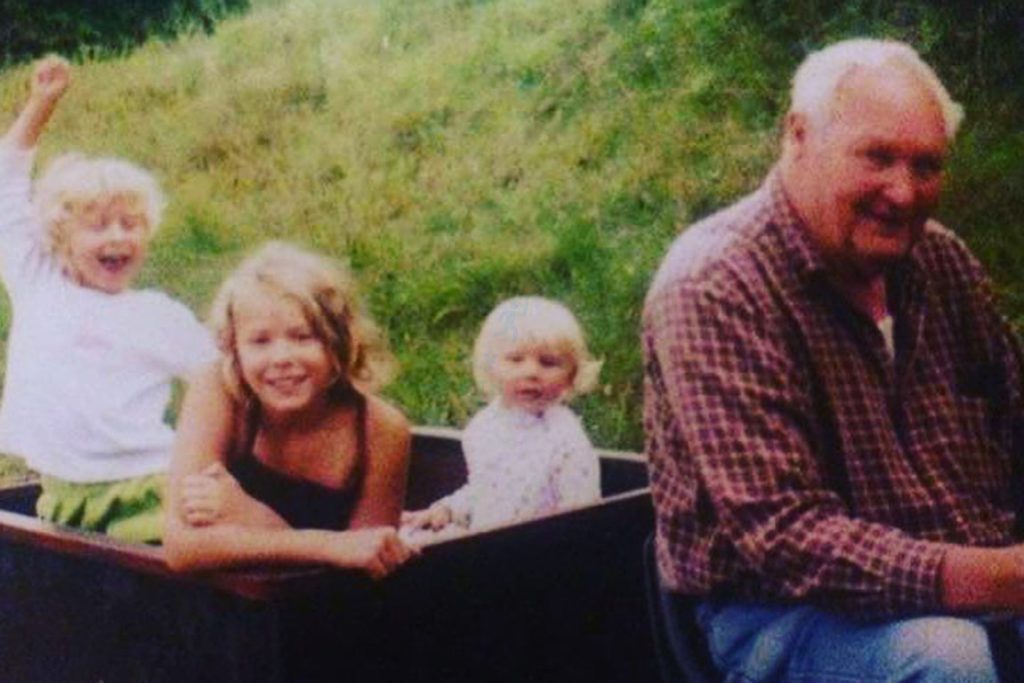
(30, 28)
(976, 47)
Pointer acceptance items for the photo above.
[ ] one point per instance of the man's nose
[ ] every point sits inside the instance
(901, 186)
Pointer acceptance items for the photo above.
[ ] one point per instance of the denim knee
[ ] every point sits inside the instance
(803, 644)
(941, 650)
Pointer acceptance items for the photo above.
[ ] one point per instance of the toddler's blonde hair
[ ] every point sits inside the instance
(532, 320)
(72, 181)
(326, 292)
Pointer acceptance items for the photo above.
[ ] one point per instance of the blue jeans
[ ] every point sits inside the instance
(757, 643)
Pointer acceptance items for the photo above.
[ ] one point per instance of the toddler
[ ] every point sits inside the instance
(526, 452)
(89, 361)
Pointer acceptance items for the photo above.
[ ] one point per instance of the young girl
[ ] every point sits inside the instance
(526, 453)
(283, 454)
(90, 361)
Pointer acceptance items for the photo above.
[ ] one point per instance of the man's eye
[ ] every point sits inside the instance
(927, 167)
(880, 158)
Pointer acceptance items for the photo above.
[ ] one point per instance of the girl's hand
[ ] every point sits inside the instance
(378, 551)
(435, 517)
(212, 496)
(50, 79)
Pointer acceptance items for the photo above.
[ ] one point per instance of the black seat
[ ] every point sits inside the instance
(1007, 649)
(679, 642)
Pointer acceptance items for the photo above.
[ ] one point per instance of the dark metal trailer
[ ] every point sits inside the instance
(554, 599)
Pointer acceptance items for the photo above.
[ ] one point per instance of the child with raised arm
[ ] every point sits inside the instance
(284, 454)
(526, 452)
(89, 360)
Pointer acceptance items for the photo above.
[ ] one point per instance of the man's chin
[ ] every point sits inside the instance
(888, 247)
(874, 262)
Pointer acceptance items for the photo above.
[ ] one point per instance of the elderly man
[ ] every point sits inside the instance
(832, 400)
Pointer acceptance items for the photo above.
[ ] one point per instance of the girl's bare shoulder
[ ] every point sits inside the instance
(384, 417)
(388, 429)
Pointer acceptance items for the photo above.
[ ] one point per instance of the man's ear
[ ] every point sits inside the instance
(795, 134)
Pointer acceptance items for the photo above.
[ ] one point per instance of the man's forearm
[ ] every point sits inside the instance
(983, 579)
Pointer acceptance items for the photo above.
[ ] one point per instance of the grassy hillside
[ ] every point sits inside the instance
(458, 152)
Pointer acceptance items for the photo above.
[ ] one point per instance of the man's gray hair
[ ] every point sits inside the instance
(817, 81)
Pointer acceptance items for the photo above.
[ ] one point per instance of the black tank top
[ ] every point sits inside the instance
(302, 503)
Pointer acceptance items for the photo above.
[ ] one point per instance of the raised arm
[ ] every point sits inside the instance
(50, 79)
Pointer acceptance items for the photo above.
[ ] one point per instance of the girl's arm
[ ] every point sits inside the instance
(377, 551)
(382, 494)
(204, 437)
(50, 79)
(200, 487)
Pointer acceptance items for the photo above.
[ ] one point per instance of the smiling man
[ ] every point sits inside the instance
(832, 401)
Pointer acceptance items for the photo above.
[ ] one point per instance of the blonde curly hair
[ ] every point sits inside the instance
(326, 292)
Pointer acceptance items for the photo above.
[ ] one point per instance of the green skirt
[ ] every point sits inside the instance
(128, 509)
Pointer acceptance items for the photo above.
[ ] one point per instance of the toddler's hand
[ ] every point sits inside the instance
(210, 496)
(378, 551)
(50, 79)
(435, 517)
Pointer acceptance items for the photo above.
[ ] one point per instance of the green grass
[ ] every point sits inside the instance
(13, 470)
(458, 152)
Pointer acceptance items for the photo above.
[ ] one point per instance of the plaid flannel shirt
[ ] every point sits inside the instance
(792, 457)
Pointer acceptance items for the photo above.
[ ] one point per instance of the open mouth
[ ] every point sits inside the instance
(114, 264)
(529, 394)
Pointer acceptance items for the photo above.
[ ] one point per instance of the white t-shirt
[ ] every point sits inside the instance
(522, 465)
(88, 374)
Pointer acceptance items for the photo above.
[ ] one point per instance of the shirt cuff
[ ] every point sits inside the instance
(916, 584)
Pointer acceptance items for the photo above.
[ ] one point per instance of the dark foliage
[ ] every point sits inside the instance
(977, 48)
(31, 28)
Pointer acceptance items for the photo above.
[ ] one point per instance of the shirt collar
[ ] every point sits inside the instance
(520, 418)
